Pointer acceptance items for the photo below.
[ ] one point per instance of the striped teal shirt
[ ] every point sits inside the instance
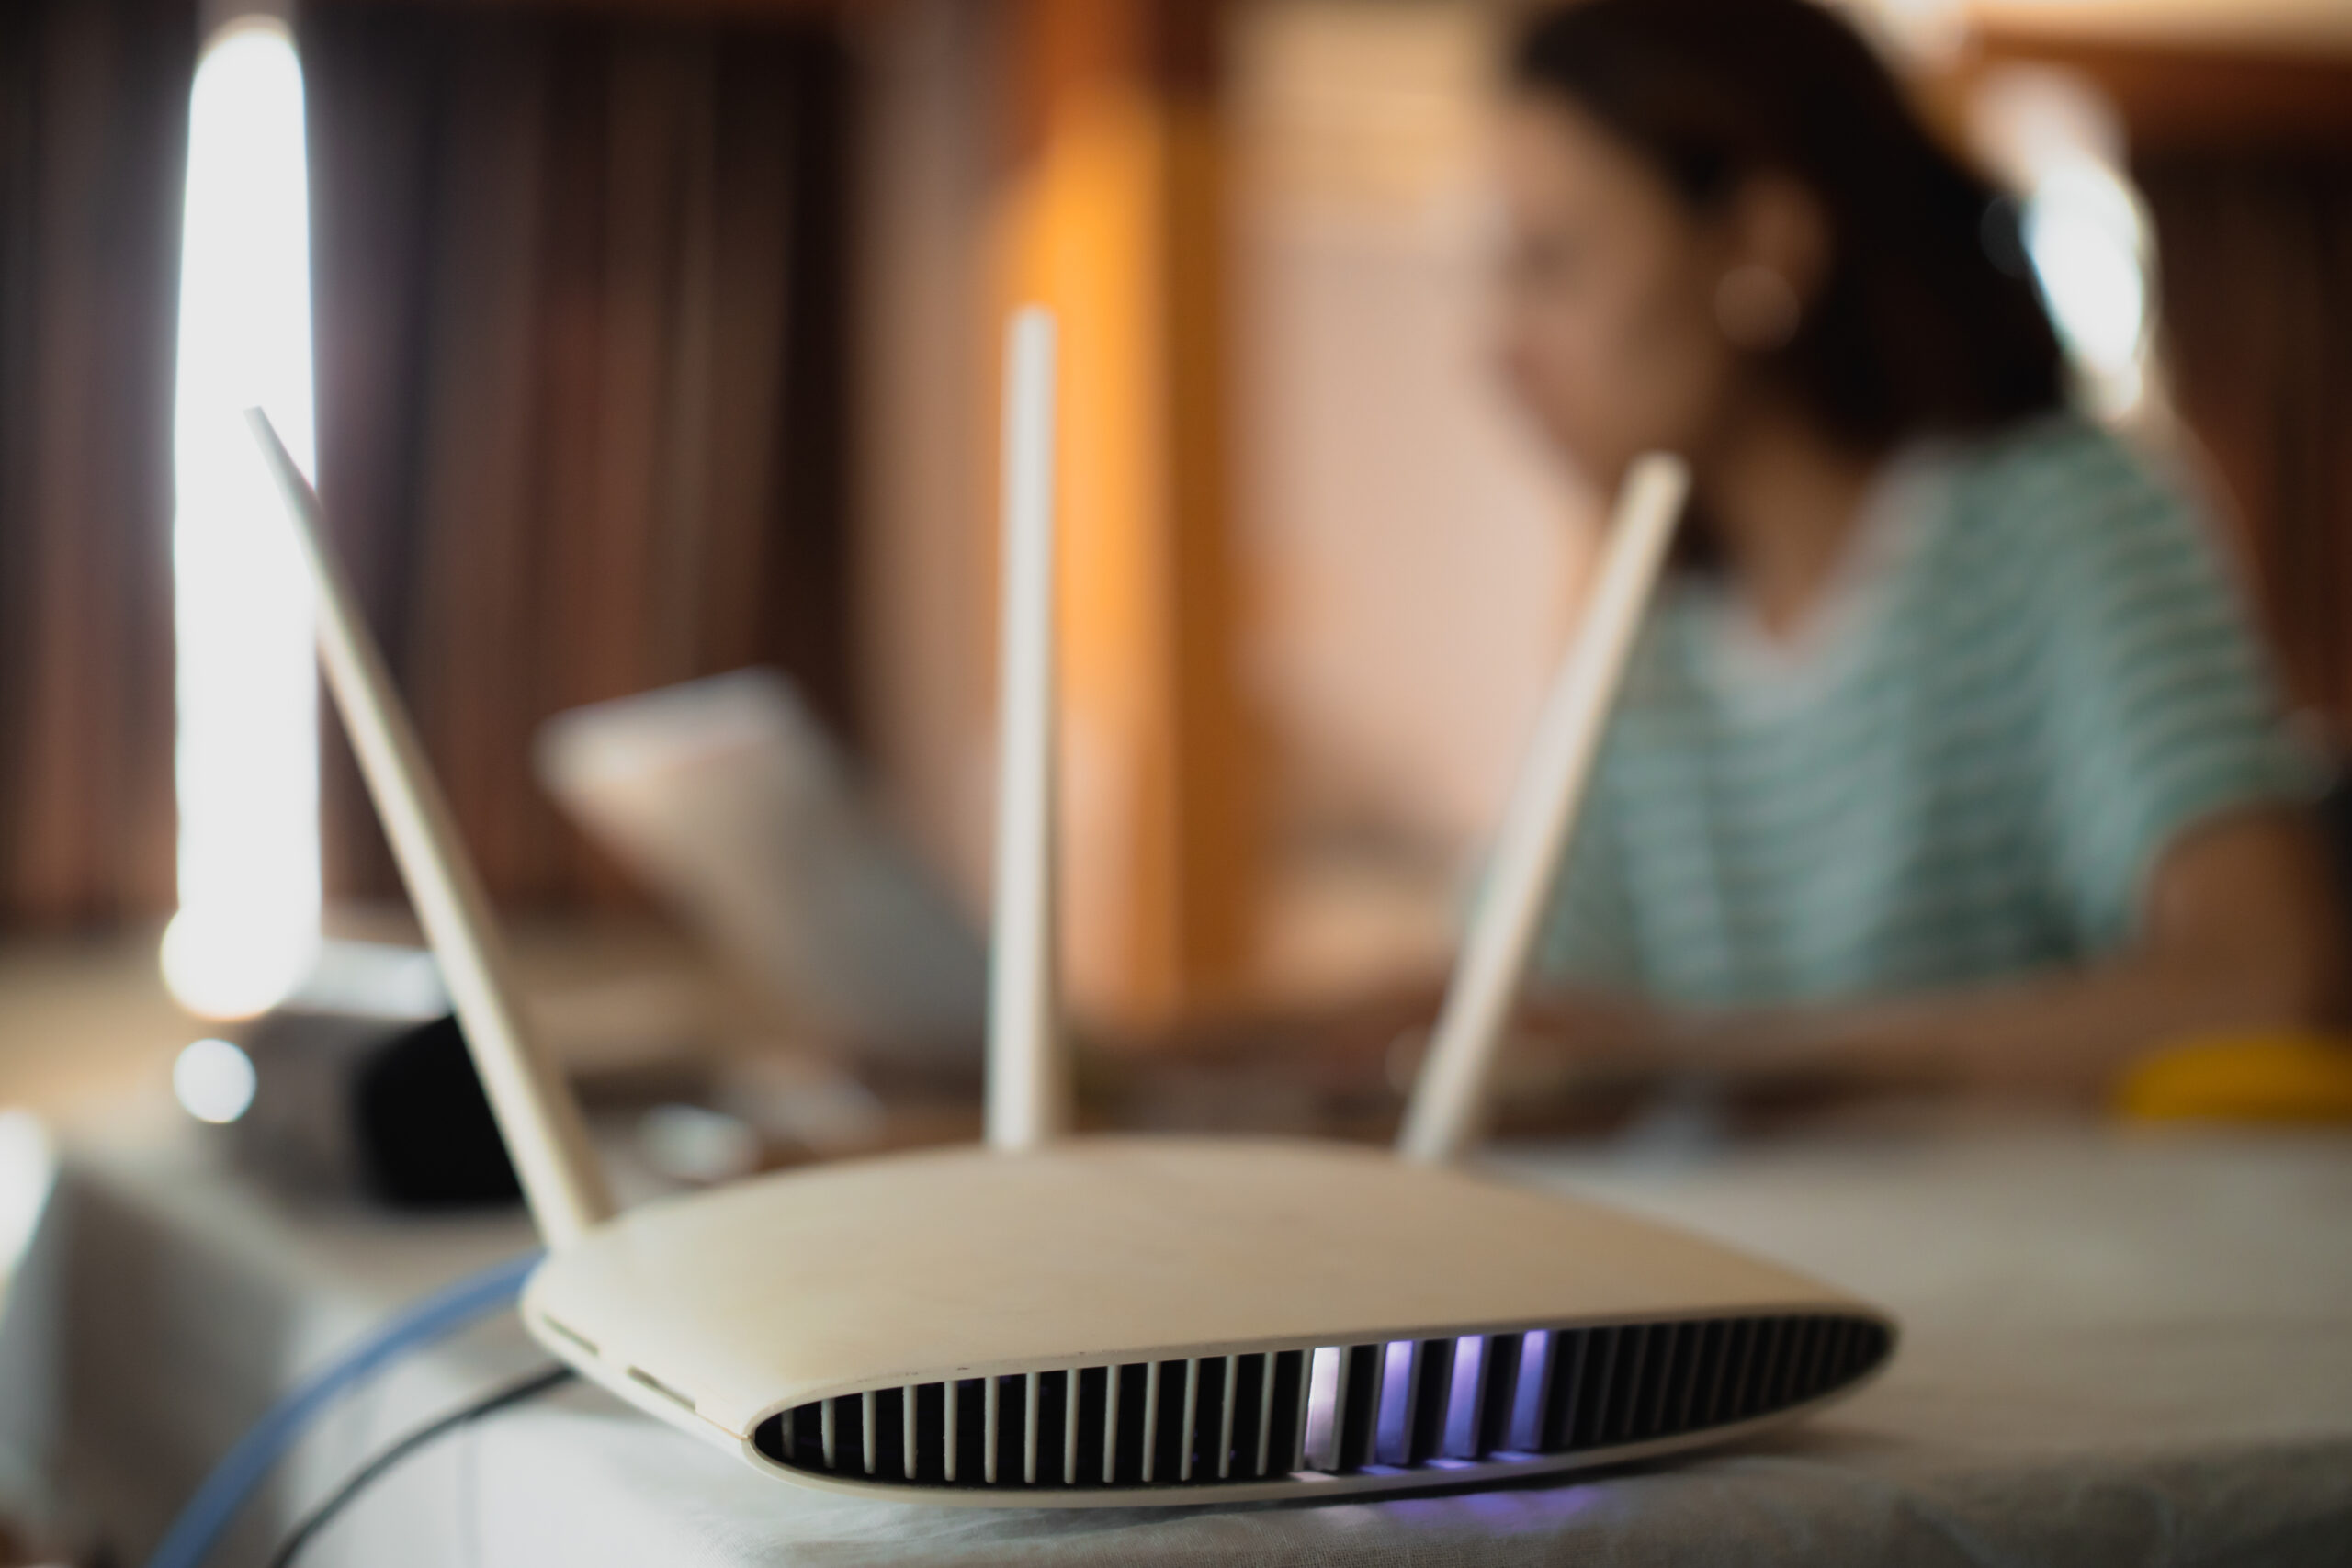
(2032, 674)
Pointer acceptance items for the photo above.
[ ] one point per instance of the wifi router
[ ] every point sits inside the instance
(1055, 1321)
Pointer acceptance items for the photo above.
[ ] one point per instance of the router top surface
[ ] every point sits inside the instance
(776, 1294)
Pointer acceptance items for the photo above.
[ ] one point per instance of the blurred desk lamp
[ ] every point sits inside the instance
(1055, 1321)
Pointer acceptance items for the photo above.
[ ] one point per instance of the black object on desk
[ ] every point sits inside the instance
(388, 1109)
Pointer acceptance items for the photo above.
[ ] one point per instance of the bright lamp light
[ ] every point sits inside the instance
(248, 753)
(2088, 241)
(214, 1081)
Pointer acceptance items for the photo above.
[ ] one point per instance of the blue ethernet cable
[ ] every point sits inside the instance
(207, 1514)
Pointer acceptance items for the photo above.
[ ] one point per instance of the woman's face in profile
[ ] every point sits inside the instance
(1609, 335)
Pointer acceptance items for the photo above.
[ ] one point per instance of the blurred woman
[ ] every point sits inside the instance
(1946, 753)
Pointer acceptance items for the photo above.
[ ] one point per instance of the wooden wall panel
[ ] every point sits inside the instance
(1103, 183)
(1111, 213)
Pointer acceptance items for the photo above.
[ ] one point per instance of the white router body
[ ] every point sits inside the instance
(1052, 1321)
(1142, 1320)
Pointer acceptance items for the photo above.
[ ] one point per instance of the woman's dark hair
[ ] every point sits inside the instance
(1925, 320)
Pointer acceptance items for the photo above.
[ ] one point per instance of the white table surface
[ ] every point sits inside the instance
(2118, 1348)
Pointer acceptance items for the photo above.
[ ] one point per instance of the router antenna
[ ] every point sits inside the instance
(535, 1112)
(1028, 1094)
(1450, 1096)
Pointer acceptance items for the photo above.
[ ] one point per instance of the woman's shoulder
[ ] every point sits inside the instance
(2062, 494)
(2058, 459)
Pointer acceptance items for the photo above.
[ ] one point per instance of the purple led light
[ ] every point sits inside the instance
(1527, 1405)
(1461, 1439)
(1394, 1443)
(1323, 1410)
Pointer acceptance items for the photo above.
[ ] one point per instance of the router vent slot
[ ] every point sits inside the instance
(1479, 1399)
(573, 1334)
(644, 1378)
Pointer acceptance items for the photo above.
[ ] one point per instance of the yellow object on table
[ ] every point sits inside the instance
(2286, 1076)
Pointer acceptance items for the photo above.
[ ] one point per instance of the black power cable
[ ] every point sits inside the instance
(343, 1495)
